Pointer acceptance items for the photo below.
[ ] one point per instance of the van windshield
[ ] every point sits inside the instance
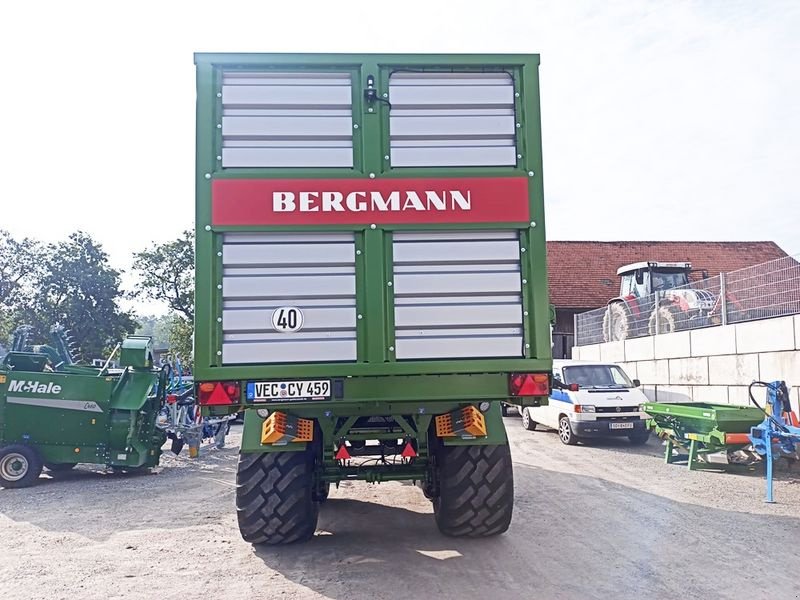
(597, 376)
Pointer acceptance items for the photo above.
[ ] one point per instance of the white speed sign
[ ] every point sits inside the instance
(287, 319)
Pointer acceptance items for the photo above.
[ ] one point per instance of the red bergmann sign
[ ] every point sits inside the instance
(363, 201)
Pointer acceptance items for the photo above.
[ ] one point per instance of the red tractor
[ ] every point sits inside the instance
(657, 297)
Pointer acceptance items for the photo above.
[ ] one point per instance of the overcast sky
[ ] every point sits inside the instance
(662, 120)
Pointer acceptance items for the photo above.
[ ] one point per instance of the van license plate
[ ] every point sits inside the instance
(621, 425)
(265, 391)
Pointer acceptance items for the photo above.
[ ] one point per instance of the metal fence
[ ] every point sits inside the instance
(771, 289)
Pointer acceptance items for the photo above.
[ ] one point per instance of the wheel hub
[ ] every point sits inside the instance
(13, 467)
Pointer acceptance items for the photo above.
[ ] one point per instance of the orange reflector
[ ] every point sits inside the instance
(207, 387)
(342, 453)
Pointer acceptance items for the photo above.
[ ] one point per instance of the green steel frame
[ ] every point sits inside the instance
(374, 265)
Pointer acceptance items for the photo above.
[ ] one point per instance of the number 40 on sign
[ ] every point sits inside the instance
(287, 319)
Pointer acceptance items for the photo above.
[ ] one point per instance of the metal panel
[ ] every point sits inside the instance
(457, 294)
(313, 272)
(464, 347)
(241, 353)
(287, 119)
(452, 119)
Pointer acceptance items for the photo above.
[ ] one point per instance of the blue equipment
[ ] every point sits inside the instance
(778, 434)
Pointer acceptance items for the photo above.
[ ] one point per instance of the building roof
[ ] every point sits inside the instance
(583, 275)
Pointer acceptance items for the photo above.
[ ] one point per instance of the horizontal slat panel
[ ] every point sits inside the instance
(234, 77)
(457, 294)
(313, 318)
(293, 270)
(287, 157)
(458, 332)
(458, 314)
(287, 120)
(452, 119)
(288, 95)
(446, 95)
(456, 252)
(300, 302)
(301, 286)
(285, 238)
(280, 338)
(413, 236)
(468, 347)
(288, 254)
(450, 127)
(456, 283)
(288, 352)
(454, 157)
(505, 267)
(407, 78)
(461, 300)
(297, 127)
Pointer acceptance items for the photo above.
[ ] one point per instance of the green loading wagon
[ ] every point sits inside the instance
(371, 276)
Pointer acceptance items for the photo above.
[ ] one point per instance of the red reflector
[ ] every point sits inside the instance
(171, 398)
(529, 384)
(342, 453)
(408, 451)
(218, 395)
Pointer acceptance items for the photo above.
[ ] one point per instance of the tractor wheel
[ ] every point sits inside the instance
(60, 467)
(275, 497)
(476, 490)
(665, 319)
(527, 422)
(616, 322)
(20, 466)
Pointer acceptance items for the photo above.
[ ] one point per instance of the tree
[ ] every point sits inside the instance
(78, 289)
(20, 265)
(166, 274)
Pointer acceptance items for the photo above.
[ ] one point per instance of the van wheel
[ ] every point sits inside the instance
(639, 439)
(527, 422)
(20, 466)
(565, 433)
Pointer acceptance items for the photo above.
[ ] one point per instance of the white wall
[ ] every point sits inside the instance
(714, 365)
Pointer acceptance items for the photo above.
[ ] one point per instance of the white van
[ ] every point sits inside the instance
(598, 400)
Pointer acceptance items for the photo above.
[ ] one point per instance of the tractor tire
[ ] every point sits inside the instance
(476, 490)
(275, 497)
(666, 317)
(616, 322)
(527, 422)
(20, 466)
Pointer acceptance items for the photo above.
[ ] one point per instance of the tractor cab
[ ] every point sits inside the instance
(644, 278)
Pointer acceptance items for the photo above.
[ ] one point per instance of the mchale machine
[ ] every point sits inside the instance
(55, 413)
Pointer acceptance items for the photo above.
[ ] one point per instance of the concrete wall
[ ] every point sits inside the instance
(709, 365)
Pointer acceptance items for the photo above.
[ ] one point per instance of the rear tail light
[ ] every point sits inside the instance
(529, 384)
(218, 393)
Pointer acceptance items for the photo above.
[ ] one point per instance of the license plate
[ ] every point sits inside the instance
(621, 425)
(270, 391)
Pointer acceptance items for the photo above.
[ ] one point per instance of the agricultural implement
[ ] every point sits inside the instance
(778, 435)
(55, 413)
(711, 435)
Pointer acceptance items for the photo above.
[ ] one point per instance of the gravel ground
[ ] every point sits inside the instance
(592, 521)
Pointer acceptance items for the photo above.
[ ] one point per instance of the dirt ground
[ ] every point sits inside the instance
(596, 521)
